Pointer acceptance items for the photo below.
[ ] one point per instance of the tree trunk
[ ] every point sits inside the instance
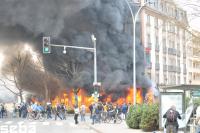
(20, 95)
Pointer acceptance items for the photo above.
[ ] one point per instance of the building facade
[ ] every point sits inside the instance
(164, 36)
(193, 55)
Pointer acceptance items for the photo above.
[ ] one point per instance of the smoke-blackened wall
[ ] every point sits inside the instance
(71, 22)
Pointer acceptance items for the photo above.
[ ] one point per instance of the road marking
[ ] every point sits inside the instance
(32, 123)
(8, 122)
(59, 123)
(21, 122)
(45, 123)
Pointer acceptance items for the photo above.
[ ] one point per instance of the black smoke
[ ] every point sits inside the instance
(71, 22)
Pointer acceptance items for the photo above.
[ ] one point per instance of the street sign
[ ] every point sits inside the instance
(195, 93)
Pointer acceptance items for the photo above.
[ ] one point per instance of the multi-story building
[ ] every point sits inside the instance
(164, 36)
(193, 56)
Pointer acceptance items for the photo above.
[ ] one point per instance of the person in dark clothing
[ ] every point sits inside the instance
(58, 111)
(49, 110)
(76, 113)
(91, 110)
(172, 123)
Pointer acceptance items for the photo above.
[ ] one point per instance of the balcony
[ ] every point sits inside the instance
(157, 66)
(157, 48)
(172, 51)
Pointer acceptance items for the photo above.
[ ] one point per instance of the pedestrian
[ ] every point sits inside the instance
(124, 110)
(82, 112)
(3, 111)
(76, 113)
(58, 112)
(63, 111)
(172, 123)
(49, 110)
(94, 116)
(91, 110)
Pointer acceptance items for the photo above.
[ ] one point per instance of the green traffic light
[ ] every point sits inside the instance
(46, 49)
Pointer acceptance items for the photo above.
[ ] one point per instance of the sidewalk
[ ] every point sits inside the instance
(117, 128)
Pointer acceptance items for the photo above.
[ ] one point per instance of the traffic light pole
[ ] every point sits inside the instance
(84, 48)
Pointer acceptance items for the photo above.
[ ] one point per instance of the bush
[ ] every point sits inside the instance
(134, 116)
(150, 117)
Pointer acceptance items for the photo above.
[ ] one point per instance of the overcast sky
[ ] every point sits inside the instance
(192, 7)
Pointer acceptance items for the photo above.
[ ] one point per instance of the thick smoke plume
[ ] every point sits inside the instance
(71, 22)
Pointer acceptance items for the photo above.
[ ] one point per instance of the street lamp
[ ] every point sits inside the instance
(134, 19)
(95, 59)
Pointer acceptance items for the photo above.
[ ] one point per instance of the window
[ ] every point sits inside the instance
(179, 81)
(148, 19)
(157, 40)
(164, 60)
(148, 59)
(156, 22)
(178, 63)
(149, 74)
(164, 43)
(157, 78)
(157, 59)
(164, 26)
(184, 80)
(148, 39)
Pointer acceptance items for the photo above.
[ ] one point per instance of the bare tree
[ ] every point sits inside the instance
(14, 70)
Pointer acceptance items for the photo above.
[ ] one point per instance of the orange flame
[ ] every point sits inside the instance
(149, 98)
(69, 98)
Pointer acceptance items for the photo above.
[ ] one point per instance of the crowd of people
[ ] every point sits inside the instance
(98, 111)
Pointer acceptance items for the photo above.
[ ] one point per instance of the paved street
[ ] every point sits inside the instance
(50, 126)
(64, 126)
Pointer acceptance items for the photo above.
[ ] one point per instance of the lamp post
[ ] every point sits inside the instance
(134, 19)
(95, 59)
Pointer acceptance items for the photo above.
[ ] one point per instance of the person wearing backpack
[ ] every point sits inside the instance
(172, 123)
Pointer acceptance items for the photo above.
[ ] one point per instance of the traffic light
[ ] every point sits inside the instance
(46, 45)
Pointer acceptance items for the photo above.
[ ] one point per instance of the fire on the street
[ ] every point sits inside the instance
(68, 98)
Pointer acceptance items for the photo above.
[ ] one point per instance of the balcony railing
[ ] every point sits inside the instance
(172, 51)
